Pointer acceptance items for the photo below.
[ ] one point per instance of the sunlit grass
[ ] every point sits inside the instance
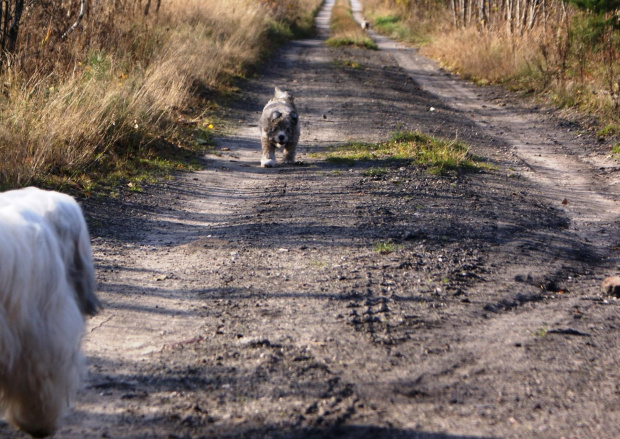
(385, 247)
(438, 156)
(345, 31)
(394, 26)
(375, 172)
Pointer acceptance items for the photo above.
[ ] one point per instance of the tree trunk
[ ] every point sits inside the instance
(4, 23)
(509, 16)
(454, 18)
(533, 14)
(483, 19)
(13, 32)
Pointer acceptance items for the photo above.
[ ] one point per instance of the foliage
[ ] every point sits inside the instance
(598, 7)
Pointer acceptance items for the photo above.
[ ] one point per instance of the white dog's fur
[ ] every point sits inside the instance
(65, 217)
(46, 287)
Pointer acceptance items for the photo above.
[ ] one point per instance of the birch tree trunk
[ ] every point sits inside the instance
(454, 18)
(483, 19)
(509, 16)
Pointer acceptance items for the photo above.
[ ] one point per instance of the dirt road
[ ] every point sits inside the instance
(250, 302)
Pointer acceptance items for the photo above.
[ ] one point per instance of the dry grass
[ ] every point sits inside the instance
(482, 57)
(570, 58)
(551, 63)
(116, 89)
(413, 22)
(345, 31)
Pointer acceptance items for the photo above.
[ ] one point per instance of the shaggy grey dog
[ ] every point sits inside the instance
(279, 128)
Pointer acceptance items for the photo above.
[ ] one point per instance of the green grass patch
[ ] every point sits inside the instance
(541, 332)
(394, 26)
(438, 156)
(611, 129)
(385, 247)
(375, 172)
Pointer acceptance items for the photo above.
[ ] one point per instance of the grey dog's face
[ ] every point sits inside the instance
(282, 127)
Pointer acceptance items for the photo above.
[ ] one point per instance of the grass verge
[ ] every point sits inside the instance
(345, 31)
(436, 155)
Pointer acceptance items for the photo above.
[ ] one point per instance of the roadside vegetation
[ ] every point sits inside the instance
(438, 156)
(385, 247)
(565, 51)
(129, 94)
(345, 31)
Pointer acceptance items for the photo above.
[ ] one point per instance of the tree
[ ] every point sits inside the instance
(10, 21)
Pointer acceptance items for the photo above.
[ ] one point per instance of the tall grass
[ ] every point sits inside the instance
(79, 109)
(568, 64)
(484, 57)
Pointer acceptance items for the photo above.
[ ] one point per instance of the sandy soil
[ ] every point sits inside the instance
(249, 302)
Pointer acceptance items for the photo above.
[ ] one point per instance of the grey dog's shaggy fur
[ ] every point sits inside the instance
(279, 127)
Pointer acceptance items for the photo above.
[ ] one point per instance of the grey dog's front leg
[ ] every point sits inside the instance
(289, 154)
(269, 153)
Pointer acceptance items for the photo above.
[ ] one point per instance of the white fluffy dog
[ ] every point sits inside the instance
(47, 284)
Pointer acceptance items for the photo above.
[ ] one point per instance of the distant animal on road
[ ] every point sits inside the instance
(365, 24)
(47, 286)
(279, 127)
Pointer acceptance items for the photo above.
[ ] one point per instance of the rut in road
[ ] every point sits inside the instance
(250, 302)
